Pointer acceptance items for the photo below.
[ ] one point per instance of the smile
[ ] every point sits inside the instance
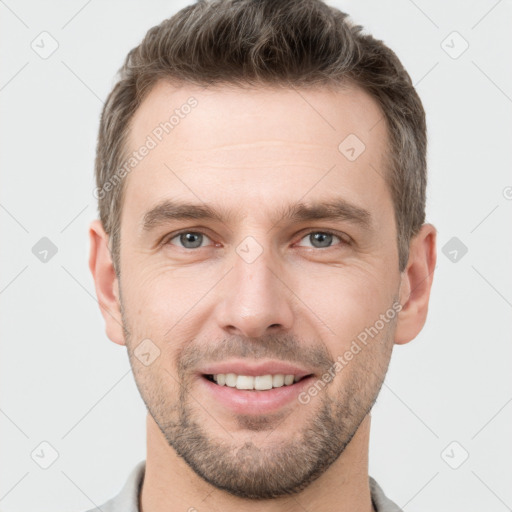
(257, 382)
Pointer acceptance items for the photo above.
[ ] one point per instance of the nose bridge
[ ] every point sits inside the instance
(254, 299)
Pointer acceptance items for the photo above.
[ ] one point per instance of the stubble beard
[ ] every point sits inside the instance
(269, 469)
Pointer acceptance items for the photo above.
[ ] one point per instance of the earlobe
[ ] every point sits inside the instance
(416, 284)
(106, 282)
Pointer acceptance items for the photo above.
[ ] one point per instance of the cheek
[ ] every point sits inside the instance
(346, 299)
(160, 300)
(158, 384)
(167, 305)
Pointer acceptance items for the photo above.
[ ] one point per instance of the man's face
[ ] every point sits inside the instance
(258, 292)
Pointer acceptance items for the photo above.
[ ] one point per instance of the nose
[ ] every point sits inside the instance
(254, 299)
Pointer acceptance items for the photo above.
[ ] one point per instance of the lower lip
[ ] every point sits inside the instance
(254, 402)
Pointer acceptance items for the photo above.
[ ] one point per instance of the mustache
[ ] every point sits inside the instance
(273, 346)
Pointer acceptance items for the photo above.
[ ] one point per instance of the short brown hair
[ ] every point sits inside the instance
(299, 43)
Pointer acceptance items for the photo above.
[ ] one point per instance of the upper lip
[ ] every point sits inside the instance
(241, 367)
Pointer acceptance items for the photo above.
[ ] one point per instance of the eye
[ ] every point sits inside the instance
(189, 239)
(322, 239)
(195, 239)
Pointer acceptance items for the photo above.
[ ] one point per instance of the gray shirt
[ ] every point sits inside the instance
(128, 498)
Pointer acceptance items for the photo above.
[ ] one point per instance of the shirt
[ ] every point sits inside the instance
(128, 498)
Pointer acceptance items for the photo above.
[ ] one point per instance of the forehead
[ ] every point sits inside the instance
(225, 142)
(221, 112)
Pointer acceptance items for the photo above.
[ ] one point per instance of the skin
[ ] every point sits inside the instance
(255, 152)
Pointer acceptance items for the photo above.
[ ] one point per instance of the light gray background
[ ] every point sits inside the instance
(63, 382)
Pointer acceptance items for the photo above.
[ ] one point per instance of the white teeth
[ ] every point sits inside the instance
(263, 382)
(278, 380)
(244, 382)
(259, 383)
(230, 379)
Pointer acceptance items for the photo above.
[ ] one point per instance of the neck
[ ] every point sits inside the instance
(170, 484)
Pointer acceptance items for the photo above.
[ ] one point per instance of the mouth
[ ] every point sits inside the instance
(254, 387)
(255, 382)
(254, 395)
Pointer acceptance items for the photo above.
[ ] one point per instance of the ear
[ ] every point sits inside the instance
(106, 282)
(415, 284)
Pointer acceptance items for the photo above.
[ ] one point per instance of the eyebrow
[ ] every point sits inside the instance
(337, 209)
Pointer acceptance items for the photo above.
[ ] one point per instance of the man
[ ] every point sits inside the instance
(261, 247)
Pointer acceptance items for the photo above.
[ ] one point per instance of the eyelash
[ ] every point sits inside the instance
(168, 239)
